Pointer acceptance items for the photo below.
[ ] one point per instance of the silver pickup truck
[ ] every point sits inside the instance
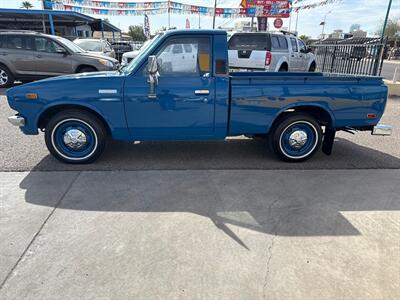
(264, 51)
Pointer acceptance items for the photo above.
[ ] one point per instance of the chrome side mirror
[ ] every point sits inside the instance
(152, 68)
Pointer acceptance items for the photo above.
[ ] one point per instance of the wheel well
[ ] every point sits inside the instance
(313, 63)
(284, 66)
(50, 112)
(320, 114)
(80, 67)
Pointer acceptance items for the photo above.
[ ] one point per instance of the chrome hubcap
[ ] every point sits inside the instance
(3, 77)
(75, 139)
(298, 139)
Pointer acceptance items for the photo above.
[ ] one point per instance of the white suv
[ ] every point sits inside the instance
(256, 51)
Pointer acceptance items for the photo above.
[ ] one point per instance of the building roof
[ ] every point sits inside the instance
(70, 18)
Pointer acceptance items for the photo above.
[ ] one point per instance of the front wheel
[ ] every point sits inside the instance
(75, 137)
(297, 137)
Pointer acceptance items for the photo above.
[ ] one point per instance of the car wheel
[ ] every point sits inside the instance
(86, 70)
(297, 137)
(6, 77)
(75, 137)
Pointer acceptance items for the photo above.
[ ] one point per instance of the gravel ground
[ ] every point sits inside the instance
(19, 152)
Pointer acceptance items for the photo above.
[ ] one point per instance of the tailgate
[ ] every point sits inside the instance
(247, 59)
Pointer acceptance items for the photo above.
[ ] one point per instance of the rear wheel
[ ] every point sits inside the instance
(296, 137)
(75, 136)
(6, 77)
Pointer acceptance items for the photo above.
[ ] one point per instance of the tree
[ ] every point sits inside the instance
(136, 33)
(304, 38)
(26, 5)
(391, 31)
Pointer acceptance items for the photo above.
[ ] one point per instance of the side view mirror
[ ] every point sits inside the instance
(152, 68)
(62, 51)
(308, 50)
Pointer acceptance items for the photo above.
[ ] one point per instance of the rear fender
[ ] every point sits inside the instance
(298, 106)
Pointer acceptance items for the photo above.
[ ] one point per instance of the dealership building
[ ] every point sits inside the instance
(68, 24)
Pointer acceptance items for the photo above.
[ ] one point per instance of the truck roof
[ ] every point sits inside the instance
(197, 31)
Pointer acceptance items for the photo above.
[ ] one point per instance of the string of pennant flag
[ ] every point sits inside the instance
(250, 8)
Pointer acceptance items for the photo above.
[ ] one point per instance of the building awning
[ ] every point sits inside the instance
(24, 19)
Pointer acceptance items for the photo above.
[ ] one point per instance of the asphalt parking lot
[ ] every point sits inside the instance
(201, 220)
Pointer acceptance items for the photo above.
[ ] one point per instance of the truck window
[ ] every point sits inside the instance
(177, 49)
(196, 62)
(249, 42)
(283, 42)
(302, 46)
(294, 45)
(275, 42)
(188, 48)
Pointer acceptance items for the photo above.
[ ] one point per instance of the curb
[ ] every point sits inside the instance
(394, 88)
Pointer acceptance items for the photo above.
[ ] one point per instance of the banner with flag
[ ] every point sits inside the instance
(146, 27)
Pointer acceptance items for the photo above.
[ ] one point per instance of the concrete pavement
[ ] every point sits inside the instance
(248, 234)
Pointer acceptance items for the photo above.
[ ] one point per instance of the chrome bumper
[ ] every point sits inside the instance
(17, 121)
(382, 129)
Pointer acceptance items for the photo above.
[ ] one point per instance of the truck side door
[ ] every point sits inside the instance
(184, 105)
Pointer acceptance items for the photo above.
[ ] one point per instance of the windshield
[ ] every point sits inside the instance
(88, 45)
(142, 53)
(70, 45)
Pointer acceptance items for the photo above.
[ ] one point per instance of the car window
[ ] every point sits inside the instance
(294, 44)
(283, 42)
(107, 46)
(47, 45)
(196, 64)
(302, 46)
(88, 45)
(249, 42)
(19, 42)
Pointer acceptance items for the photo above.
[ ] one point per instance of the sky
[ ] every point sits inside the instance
(368, 13)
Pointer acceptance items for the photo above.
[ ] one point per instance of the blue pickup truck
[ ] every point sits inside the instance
(179, 88)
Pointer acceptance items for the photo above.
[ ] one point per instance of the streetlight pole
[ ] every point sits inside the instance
(215, 8)
(323, 24)
(386, 19)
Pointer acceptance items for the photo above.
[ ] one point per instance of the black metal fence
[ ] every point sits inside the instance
(358, 56)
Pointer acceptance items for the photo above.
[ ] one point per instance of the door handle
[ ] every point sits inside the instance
(202, 92)
(38, 56)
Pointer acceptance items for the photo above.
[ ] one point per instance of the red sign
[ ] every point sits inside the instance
(269, 8)
(278, 23)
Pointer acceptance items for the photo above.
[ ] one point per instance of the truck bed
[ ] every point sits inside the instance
(257, 98)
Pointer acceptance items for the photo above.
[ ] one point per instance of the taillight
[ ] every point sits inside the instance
(268, 58)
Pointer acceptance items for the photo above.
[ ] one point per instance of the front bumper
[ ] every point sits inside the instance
(382, 129)
(17, 121)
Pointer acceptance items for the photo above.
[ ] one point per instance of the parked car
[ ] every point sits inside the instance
(100, 47)
(120, 48)
(197, 101)
(269, 52)
(27, 56)
(127, 57)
